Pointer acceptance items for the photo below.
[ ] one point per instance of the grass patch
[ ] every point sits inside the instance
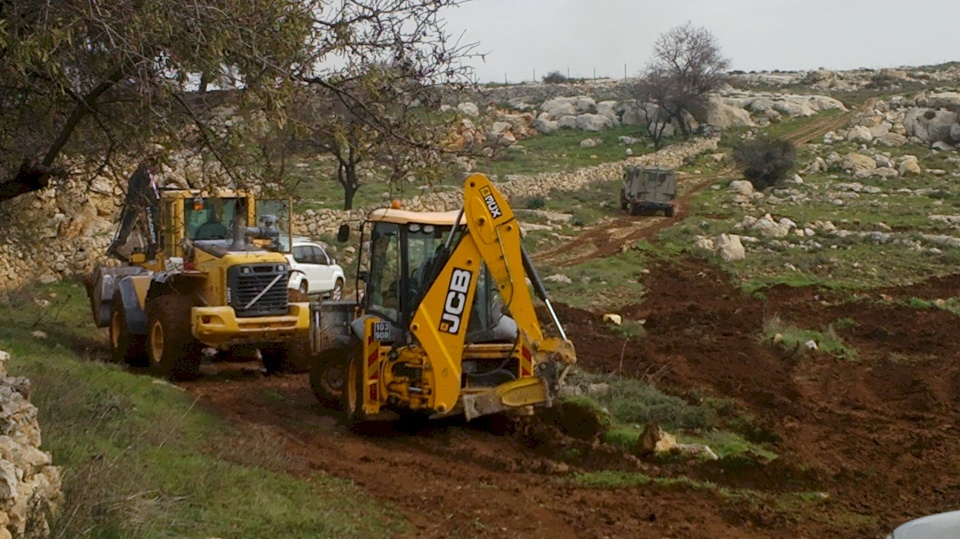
(600, 283)
(635, 402)
(791, 337)
(950, 304)
(140, 459)
(561, 151)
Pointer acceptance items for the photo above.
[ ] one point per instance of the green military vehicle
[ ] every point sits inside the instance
(647, 190)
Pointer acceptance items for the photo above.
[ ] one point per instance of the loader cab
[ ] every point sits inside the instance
(195, 216)
(406, 252)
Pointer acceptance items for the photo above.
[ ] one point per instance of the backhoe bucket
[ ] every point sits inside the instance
(509, 396)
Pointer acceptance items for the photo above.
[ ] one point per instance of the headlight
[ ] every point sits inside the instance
(245, 269)
(281, 268)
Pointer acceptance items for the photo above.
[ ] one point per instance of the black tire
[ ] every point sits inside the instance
(288, 357)
(624, 203)
(669, 211)
(304, 287)
(125, 347)
(292, 356)
(352, 398)
(635, 209)
(172, 350)
(328, 374)
(337, 293)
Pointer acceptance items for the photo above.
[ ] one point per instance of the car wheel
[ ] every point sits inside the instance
(337, 293)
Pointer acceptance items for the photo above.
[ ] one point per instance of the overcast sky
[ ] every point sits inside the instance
(520, 36)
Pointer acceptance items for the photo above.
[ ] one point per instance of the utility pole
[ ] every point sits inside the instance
(534, 74)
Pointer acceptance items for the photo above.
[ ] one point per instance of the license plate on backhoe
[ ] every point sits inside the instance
(381, 331)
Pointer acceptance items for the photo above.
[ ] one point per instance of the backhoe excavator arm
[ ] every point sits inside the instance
(492, 238)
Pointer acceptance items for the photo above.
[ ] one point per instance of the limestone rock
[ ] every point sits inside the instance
(929, 125)
(909, 166)
(729, 247)
(470, 109)
(855, 162)
(741, 187)
(593, 122)
(558, 278)
(859, 133)
(723, 114)
(590, 142)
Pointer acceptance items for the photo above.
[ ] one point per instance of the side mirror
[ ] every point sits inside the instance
(343, 234)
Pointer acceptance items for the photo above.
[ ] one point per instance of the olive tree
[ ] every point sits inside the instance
(381, 107)
(687, 65)
(102, 79)
(84, 83)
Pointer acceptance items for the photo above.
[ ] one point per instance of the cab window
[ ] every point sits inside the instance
(384, 284)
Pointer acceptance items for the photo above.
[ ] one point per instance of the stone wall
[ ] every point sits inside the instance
(325, 222)
(29, 483)
(65, 232)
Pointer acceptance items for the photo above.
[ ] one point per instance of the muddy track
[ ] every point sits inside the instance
(607, 238)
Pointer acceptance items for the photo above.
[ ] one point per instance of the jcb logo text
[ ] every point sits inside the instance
(456, 301)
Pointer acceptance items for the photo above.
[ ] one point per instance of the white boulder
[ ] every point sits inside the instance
(729, 248)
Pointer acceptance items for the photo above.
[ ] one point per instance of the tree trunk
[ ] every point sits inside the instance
(347, 176)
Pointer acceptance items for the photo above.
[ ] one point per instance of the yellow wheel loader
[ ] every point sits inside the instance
(446, 323)
(201, 270)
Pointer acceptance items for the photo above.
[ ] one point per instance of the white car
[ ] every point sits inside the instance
(939, 526)
(313, 272)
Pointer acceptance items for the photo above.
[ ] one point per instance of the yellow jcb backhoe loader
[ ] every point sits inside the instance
(198, 274)
(446, 323)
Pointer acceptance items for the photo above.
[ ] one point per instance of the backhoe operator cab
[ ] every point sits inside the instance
(444, 321)
(201, 270)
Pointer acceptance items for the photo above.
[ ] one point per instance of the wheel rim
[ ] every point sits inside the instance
(156, 342)
(337, 293)
(333, 380)
(115, 330)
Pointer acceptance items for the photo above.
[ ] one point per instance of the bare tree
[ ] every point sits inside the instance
(687, 65)
(380, 107)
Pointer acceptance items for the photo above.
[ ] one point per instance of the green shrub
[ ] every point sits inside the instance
(535, 203)
(765, 161)
(555, 77)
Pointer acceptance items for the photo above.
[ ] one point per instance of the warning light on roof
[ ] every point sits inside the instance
(395, 204)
